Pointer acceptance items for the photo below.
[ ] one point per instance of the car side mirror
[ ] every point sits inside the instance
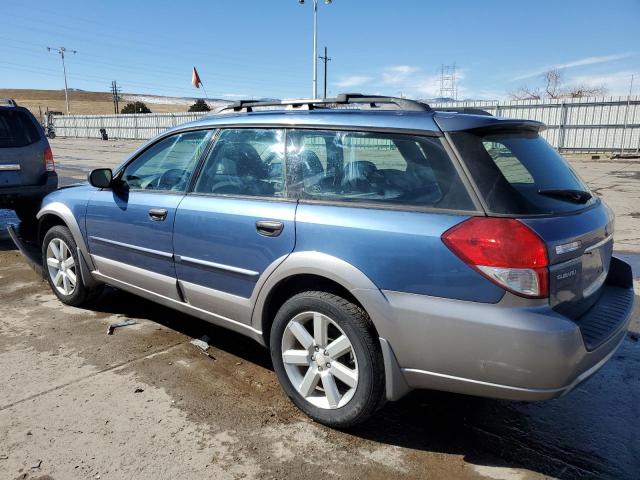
(101, 177)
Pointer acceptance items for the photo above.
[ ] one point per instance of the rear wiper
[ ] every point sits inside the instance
(577, 196)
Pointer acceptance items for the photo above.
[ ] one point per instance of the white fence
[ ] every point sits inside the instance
(132, 126)
(610, 124)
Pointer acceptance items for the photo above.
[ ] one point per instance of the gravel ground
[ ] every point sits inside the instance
(145, 403)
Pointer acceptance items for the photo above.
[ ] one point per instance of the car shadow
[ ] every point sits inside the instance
(583, 435)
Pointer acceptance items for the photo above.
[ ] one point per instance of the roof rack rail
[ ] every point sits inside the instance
(374, 101)
(469, 110)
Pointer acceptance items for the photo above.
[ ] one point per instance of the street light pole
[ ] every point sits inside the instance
(314, 83)
(315, 49)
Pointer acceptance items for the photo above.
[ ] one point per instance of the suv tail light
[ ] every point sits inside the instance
(505, 251)
(49, 164)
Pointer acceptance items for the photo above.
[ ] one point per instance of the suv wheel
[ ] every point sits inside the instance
(62, 267)
(327, 358)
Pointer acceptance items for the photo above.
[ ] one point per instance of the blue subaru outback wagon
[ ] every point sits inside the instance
(372, 244)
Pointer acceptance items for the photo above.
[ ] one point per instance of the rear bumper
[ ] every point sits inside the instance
(10, 194)
(504, 350)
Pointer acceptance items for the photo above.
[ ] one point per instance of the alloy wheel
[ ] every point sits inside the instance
(319, 360)
(61, 267)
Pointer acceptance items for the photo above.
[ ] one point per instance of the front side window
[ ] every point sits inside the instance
(168, 164)
(518, 172)
(245, 162)
(375, 168)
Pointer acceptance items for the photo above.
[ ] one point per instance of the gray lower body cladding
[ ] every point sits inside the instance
(515, 349)
(502, 350)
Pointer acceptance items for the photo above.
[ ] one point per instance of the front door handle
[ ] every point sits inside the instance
(158, 214)
(269, 228)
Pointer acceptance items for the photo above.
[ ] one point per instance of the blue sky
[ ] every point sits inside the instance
(262, 48)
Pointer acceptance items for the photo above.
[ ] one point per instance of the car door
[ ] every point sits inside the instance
(235, 224)
(130, 227)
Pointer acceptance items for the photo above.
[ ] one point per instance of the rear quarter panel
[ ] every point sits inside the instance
(396, 250)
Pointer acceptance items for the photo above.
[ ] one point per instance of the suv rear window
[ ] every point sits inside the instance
(347, 166)
(518, 172)
(17, 129)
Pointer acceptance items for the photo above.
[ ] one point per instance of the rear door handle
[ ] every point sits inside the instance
(158, 214)
(269, 228)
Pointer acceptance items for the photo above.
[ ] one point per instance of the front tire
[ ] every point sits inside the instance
(61, 266)
(328, 358)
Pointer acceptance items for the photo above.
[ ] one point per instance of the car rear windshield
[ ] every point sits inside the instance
(518, 172)
(17, 129)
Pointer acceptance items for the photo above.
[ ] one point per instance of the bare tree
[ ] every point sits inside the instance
(553, 88)
(553, 82)
(580, 91)
(526, 93)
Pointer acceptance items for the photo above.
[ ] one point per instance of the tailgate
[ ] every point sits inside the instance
(22, 165)
(9, 174)
(579, 247)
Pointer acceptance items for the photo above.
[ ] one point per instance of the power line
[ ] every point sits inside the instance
(85, 35)
(155, 71)
(325, 59)
(61, 51)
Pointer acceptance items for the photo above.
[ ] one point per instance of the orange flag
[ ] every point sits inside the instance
(195, 78)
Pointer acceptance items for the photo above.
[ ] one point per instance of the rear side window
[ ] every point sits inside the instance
(519, 173)
(374, 168)
(245, 162)
(17, 129)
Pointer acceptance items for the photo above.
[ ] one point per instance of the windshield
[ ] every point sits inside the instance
(518, 172)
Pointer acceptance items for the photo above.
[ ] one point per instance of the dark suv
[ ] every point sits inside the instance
(27, 170)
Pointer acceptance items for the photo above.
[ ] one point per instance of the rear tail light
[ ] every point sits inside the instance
(49, 164)
(504, 250)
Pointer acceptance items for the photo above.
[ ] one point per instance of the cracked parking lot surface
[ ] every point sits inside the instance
(145, 403)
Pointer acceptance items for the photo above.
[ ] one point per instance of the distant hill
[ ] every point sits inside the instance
(96, 103)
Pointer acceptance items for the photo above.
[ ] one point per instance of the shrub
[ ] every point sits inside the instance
(199, 106)
(137, 107)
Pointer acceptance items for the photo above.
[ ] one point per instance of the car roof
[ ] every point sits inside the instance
(330, 118)
(428, 122)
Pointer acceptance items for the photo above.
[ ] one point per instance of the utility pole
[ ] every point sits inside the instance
(61, 51)
(115, 93)
(325, 59)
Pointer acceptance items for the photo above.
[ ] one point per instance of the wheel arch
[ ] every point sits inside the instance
(57, 213)
(302, 271)
(46, 222)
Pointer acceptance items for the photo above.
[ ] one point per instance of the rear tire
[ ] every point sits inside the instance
(334, 374)
(61, 266)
